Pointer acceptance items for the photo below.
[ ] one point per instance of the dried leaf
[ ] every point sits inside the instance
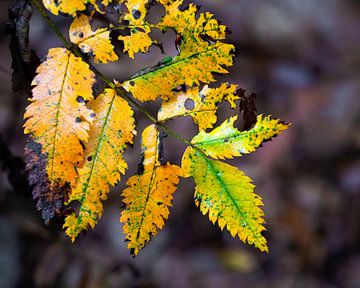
(227, 195)
(71, 6)
(57, 117)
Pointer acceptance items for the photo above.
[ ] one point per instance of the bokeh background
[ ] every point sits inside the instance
(302, 58)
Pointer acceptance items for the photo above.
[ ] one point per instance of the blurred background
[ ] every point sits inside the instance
(302, 59)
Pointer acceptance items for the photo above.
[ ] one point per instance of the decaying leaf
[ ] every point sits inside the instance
(198, 58)
(112, 130)
(49, 199)
(200, 105)
(139, 39)
(189, 68)
(71, 6)
(57, 117)
(226, 141)
(96, 42)
(149, 194)
(227, 195)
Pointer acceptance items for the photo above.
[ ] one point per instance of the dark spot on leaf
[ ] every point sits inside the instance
(136, 14)
(189, 104)
(80, 99)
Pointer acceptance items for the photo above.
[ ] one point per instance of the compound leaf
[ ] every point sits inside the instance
(57, 118)
(227, 195)
(204, 104)
(95, 42)
(149, 193)
(112, 129)
(226, 141)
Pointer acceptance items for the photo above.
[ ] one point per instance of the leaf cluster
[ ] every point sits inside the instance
(77, 139)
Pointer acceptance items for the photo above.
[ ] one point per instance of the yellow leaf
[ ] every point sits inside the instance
(57, 117)
(204, 104)
(96, 42)
(227, 195)
(137, 41)
(149, 194)
(188, 24)
(196, 67)
(137, 11)
(71, 6)
(226, 141)
(197, 61)
(112, 129)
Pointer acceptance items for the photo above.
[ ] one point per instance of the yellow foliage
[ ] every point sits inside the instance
(112, 129)
(149, 194)
(96, 42)
(71, 6)
(205, 104)
(197, 60)
(226, 141)
(186, 24)
(196, 67)
(57, 116)
(137, 41)
(227, 195)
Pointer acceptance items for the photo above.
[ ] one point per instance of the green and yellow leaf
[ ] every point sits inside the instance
(71, 6)
(205, 104)
(187, 68)
(226, 141)
(57, 117)
(112, 130)
(149, 194)
(227, 196)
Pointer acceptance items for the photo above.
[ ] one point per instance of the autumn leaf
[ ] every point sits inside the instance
(71, 6)
(95, 42)
(149, 193)
(57, 117)
(139, 39)
(226, 141)
(49, 200)
(112, 129)
(200, 105)
(227, 196)
(197, 61)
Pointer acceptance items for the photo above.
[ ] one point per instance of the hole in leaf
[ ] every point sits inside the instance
(189, 104)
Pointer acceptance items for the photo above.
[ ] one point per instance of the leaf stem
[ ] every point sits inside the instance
(106, 80)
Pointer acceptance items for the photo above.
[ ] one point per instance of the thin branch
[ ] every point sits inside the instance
(106, 80)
